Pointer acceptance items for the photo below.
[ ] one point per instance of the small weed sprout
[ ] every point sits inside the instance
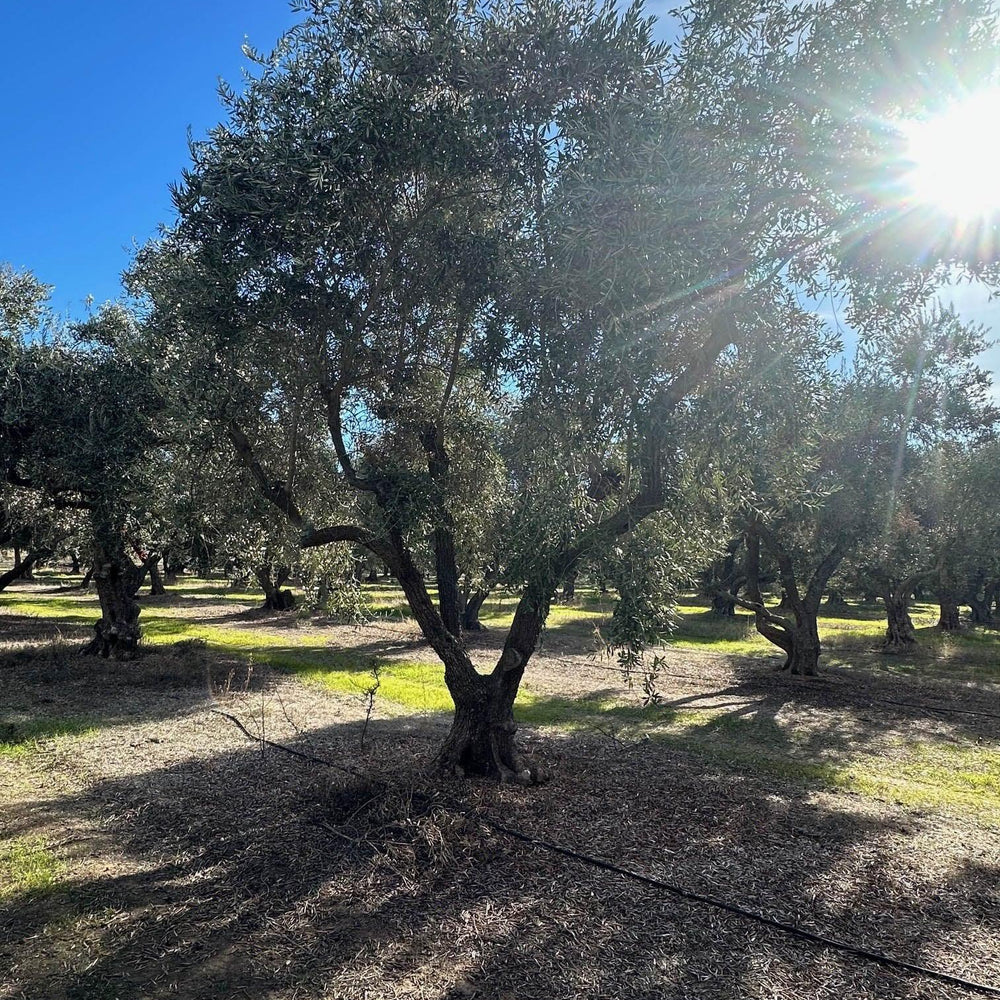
(368, 695)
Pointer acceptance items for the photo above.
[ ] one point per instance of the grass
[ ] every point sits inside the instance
(24, 737)
(929, 773)
(27, 867)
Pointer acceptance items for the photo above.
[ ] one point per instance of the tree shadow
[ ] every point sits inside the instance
(250, 873)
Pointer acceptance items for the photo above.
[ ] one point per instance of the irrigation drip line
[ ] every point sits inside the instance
(792, 930)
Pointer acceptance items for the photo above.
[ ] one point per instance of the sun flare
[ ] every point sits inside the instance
(955, 157)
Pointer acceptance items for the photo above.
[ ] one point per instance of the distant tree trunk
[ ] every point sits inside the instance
(20, 568)
(117, 634)
(785, 603)
(980, 599)
(172, 567)
(25, 564)
(156, 588)
(569, 587)
(723, 606)
(74, 561)
(88, 578)
(835, 602)
(723, 580)
(275, 599)
(949, 620)
(145, 567)
(796, 635)
(470, 613)
(900, 634)
(981, 610)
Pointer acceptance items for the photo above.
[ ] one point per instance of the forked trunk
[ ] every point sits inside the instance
(275, 599)
(900, 634)
(798, 633)
(481, 740)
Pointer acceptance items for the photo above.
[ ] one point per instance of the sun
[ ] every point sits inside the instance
(955, 157)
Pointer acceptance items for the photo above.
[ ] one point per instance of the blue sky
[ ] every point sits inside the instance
(98, 98)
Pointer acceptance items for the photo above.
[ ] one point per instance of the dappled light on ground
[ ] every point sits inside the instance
(149, 847)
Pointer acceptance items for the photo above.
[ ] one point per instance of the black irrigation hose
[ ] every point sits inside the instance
(675, 890)
(721, 904)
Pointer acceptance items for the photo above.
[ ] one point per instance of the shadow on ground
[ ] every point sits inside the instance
(241, 871)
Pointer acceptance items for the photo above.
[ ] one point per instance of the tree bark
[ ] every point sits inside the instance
(156, 588)
(569, 587)
(117, 634)
(949, 620)
(275, 599)
(900, 634)
(20, 569)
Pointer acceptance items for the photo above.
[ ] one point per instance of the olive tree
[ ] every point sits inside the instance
(76, 428)
(527, 211)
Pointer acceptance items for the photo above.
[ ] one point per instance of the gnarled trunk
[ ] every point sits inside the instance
(481, 740)
(117, 634)
(801, 645)
(275, 599)
(900, 634)
(798, 634)
(569, 587)
(949, 620)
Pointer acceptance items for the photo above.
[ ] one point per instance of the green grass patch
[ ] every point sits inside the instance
(27, 867)
(24, 737)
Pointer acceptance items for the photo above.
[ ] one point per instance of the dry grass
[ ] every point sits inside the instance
(186, 861)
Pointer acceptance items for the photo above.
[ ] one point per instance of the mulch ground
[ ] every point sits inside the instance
(201, 864)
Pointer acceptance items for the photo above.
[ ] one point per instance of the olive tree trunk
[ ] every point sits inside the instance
(949, 620)
(900, 634)
(797, 634)
(117, 578)
(156, 587)
(21, 568)
(270, 580)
